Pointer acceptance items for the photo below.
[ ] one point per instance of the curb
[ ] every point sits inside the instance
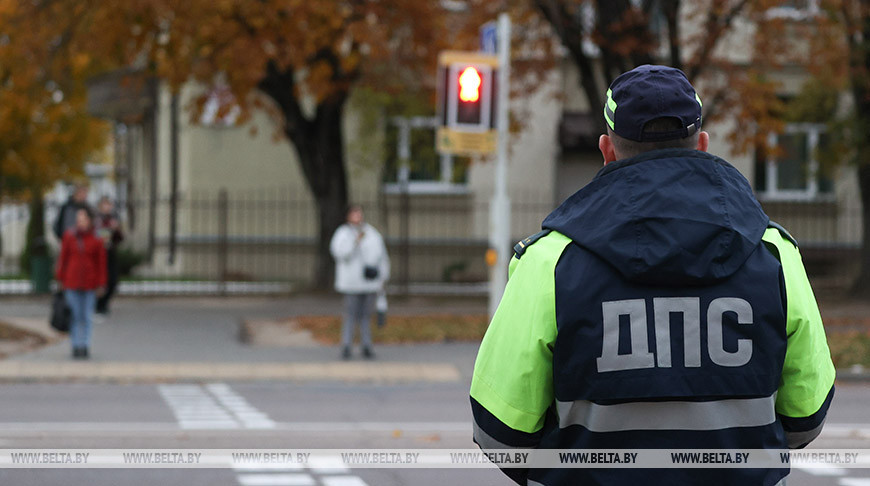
(855, 373)
(149, 372)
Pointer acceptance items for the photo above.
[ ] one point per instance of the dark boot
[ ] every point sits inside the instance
(368, 353)
(345, 353)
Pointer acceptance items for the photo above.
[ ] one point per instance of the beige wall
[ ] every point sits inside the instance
(252, 162)
(531, 166)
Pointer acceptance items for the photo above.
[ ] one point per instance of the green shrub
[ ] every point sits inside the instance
(128, 259)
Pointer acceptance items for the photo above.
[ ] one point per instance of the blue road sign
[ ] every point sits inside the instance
(489, 37)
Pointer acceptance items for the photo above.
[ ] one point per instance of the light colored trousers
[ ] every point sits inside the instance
(357, 313)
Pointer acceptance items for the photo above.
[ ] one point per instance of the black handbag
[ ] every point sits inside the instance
(61, 315)
(370, 272)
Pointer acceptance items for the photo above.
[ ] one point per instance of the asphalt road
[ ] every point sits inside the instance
(287, 416)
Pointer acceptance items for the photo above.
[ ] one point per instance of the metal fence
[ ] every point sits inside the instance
(265, 240)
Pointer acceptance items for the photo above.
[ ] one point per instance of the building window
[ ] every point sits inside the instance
(795, 10)
(411, 157)
(792, 171)
(220, 108)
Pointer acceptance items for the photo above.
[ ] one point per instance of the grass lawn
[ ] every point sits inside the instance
(402, 329)
(848, 347)
(849, 340)
(12, 333)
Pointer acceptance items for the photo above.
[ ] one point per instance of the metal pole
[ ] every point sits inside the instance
(405, 202)
(173, 178)
(223, 244)
(500, 207)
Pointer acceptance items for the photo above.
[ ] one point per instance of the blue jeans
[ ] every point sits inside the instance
(81, 304)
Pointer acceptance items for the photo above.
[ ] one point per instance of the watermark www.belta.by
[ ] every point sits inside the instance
(433, 458)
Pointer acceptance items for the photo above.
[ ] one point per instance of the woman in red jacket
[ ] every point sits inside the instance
(81, 274)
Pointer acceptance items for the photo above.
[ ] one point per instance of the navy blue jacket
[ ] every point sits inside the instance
(671, 324)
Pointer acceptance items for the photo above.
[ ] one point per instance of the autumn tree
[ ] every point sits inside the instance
(845, 45)
(45, 133)
(833, 46)
(305, 57)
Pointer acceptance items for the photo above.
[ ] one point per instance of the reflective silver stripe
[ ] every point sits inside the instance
(797, 439)
(719, 414)
(486, 441)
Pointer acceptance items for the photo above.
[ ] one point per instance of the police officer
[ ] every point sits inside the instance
(660, 308)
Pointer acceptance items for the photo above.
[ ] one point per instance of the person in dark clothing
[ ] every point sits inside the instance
(108, 228)
(81, 274)
(659, 308)
(66, 217)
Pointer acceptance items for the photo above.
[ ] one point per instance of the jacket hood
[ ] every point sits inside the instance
(666, 217)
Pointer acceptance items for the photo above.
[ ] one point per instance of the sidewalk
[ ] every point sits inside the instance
(169, 339)
(184, 338)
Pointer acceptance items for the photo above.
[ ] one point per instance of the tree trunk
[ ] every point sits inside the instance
(320, 147)
(35, 244)
(319, 143)
(861, 287)
(859, 62)
(328, 180)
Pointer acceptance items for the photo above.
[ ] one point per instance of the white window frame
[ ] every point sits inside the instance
(218, 96)
(771, 192)
(795, 13)
(443, 184)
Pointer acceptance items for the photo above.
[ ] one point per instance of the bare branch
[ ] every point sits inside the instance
(715, 26)
(571, 34)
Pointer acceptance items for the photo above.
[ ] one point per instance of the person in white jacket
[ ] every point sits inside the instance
(361, 269)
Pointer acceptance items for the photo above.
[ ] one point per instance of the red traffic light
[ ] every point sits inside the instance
(469, 85)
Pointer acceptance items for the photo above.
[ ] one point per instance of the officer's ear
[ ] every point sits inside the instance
(605, 145)
(703, 141)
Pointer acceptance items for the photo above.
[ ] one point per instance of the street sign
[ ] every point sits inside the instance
(489, 37)
(455, 142)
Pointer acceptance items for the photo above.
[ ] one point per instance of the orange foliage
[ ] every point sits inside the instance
(44, 131)
(329, 46)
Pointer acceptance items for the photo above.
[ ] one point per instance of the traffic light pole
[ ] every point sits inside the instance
(500, 207)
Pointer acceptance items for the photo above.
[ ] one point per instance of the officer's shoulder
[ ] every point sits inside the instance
(783, 232)
(523, 245)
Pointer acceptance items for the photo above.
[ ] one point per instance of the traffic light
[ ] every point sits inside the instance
(468, 108)
(469, 85)
(466, 102)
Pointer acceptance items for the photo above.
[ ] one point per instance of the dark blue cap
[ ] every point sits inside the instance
(648, 92)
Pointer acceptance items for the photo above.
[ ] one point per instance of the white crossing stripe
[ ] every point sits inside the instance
(195, 409)
(216, 406)
(822, 470)
(250, 417)
(855, 482)
(326, 465)
(275, 480)
(342, 481)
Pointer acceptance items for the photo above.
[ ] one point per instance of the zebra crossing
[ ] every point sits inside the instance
(248, 416)
(215, 406)
(822, 471)
(318, 471)
(218, 406)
